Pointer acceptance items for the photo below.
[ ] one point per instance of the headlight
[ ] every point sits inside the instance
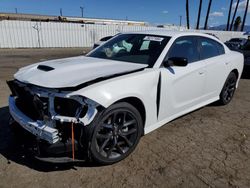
(69, 107)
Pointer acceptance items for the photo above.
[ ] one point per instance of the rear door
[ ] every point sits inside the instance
(217, 65)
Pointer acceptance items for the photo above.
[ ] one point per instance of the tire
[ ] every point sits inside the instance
(115, 133)
(228, 89)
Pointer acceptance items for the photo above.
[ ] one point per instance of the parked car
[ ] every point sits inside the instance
(235, 43)
(136, 82)
(101, 41)
(245, 49)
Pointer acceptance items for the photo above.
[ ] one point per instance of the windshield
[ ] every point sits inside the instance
(134, 48)
(105, 38)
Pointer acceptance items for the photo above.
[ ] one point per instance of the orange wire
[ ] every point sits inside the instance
(73, 141)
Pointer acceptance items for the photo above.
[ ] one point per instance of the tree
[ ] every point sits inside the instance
(229, 15)
(187, 13)
(237, 23)
(208, 12)
(235, 11)
(245, 15)
(199, 15)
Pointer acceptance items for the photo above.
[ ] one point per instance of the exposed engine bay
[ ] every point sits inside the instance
(49, 114)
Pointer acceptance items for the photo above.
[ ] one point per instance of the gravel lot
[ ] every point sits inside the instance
(206, 148)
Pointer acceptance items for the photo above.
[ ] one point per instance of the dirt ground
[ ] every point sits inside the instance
(206, 148)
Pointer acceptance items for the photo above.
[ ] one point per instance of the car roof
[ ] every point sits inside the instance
(176, 34)
(169, 33)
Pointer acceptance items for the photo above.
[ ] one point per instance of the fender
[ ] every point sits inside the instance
(142, 85)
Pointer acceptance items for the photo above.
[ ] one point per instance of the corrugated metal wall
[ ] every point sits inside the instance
(29, 34)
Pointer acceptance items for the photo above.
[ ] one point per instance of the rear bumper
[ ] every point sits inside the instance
(38, 128)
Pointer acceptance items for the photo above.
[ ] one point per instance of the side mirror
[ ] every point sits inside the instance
(176, 61)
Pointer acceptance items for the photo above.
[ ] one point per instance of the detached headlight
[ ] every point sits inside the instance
(69, 107)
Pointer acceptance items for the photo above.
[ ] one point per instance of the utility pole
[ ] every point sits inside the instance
(235, 11)
(199, 16)
(229, 15)
(180, 20)
(245, 15)
(208, 12)
(82, 10)
(187, 13)
(61, 13)
(16, 10)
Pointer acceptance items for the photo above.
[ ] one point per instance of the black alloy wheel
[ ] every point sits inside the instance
(116, 133)
(228, 89)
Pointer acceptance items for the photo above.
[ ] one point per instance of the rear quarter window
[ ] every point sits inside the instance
(210, 48)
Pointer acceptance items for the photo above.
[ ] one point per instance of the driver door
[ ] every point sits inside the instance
(182, 88)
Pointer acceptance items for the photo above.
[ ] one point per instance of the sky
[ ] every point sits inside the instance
(153, 11)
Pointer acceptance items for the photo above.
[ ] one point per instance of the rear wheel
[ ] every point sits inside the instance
(228, 89)
(116, 133)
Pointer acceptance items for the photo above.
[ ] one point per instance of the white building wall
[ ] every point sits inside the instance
(29, 34)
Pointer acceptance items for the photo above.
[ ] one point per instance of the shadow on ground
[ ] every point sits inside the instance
(17, 149)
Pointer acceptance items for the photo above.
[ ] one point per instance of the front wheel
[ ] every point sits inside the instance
(228, 89)
(116, 133)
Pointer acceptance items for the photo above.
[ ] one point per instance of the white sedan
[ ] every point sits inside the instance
(100, 105)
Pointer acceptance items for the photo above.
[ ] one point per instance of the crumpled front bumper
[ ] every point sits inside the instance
(37, 128)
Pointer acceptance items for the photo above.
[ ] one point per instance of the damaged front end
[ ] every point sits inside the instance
(49, 114)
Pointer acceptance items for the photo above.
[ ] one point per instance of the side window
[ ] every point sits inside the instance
(210, 48)
(185, 47)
